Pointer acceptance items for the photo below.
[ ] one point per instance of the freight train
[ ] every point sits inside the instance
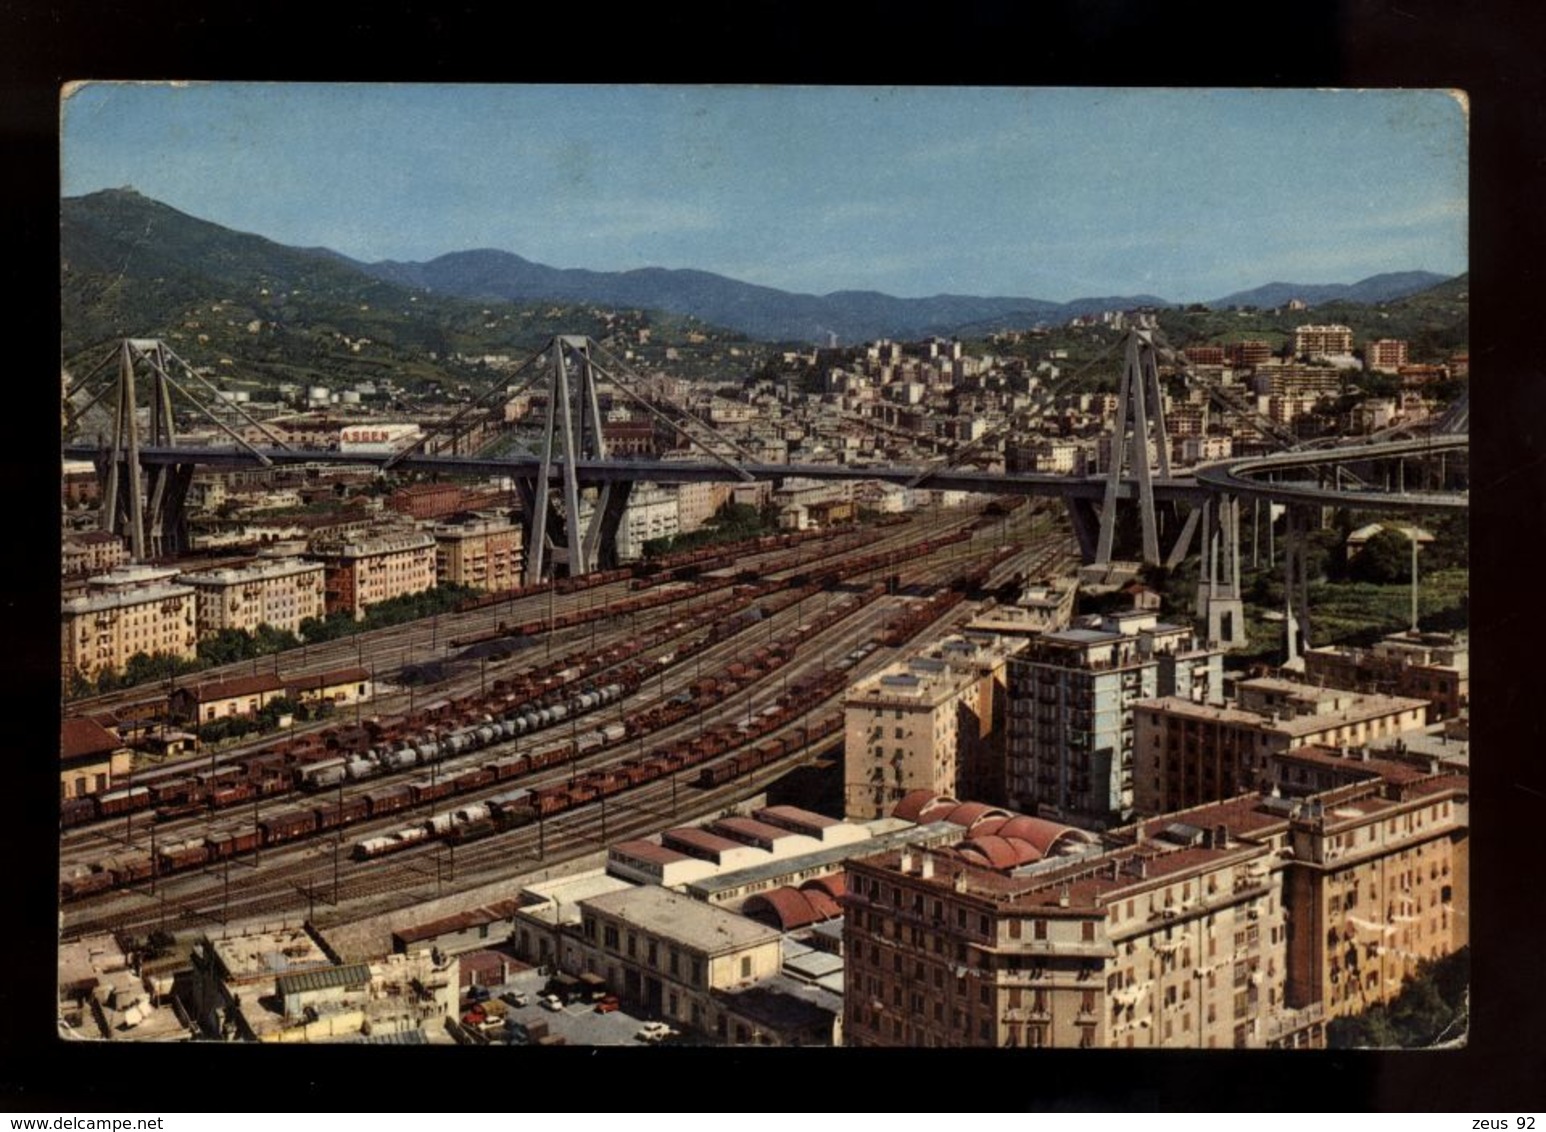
(507, 810)
(445, 728)
(441, 730)
(352, 754)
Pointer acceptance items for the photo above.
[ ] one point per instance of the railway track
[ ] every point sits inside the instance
(290, 877)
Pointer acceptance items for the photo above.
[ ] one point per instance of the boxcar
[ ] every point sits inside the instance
(389, 799)
(350, 811)
(86, 884)
(278, 828)
(426, 791)
(77, 811)
(123, 801)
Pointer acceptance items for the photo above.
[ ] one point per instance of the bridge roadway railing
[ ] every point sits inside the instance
(1232, 477)
(612, 470)
(1236, 477)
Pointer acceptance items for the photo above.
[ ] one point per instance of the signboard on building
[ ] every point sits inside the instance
(377, 438)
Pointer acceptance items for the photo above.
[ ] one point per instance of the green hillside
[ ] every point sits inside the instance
(244, 305)
(1435, 322)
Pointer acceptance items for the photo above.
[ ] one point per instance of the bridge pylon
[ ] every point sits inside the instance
(571, 432)
(145, 502)
(1140, 425)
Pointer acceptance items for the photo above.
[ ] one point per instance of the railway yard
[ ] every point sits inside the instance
(538, 727)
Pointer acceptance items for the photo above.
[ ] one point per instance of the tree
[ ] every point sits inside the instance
(269, 715)
(226, 647)
(1432, 1004)
(1319, 552)
(268, 639)
(1385, 559)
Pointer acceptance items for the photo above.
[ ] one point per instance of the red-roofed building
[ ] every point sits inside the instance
(338, 686)
(91, 758)
(427, 500)
(243, 696)
(1248, 922)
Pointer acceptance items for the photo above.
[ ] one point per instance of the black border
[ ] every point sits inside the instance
(1486, 50)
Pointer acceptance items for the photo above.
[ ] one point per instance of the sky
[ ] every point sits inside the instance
(1040, 193)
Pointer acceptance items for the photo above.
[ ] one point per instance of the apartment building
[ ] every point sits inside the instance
(1059, 457)
(1380, 884)
(1323, 341)
(1385, 354)
(427, 500)
(1107, 448)
(1173, 940)
(1431, 666)
(78, 486)
(1295, 380)
(1205, 355)
(1071, 711)
(359, 572)
(92, 552)
(484, 553)
(629, 437)
(1192, 753)
(696, 503)
(1246, 923)
(279, 593)
(1202, 449)
(135, 609)
(651, 514)
(1248, 354)
(923, 723)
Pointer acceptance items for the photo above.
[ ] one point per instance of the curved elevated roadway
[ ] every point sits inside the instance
(1240, 477)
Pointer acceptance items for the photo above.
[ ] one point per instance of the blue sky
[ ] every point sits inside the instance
(1044, 193)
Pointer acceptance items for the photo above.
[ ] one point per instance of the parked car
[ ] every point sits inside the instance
(551, 1002)
(653, 1032)
(478, 994)
(515, 998)
(607, 1004)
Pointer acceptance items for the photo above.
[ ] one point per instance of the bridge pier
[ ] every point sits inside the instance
(166, 520)
(1085, 520)
(573, 426)
(1219, 600)
(1140, 419)
(1296, 586)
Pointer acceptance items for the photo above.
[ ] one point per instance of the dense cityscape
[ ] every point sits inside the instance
(552, 670)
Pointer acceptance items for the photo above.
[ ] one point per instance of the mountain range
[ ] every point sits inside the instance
(107, 233)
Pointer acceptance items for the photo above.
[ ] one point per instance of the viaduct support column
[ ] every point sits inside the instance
(1086, 523)
(1219, 581)
(1296, 586)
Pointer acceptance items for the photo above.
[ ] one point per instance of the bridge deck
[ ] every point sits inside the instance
(1232, 476)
